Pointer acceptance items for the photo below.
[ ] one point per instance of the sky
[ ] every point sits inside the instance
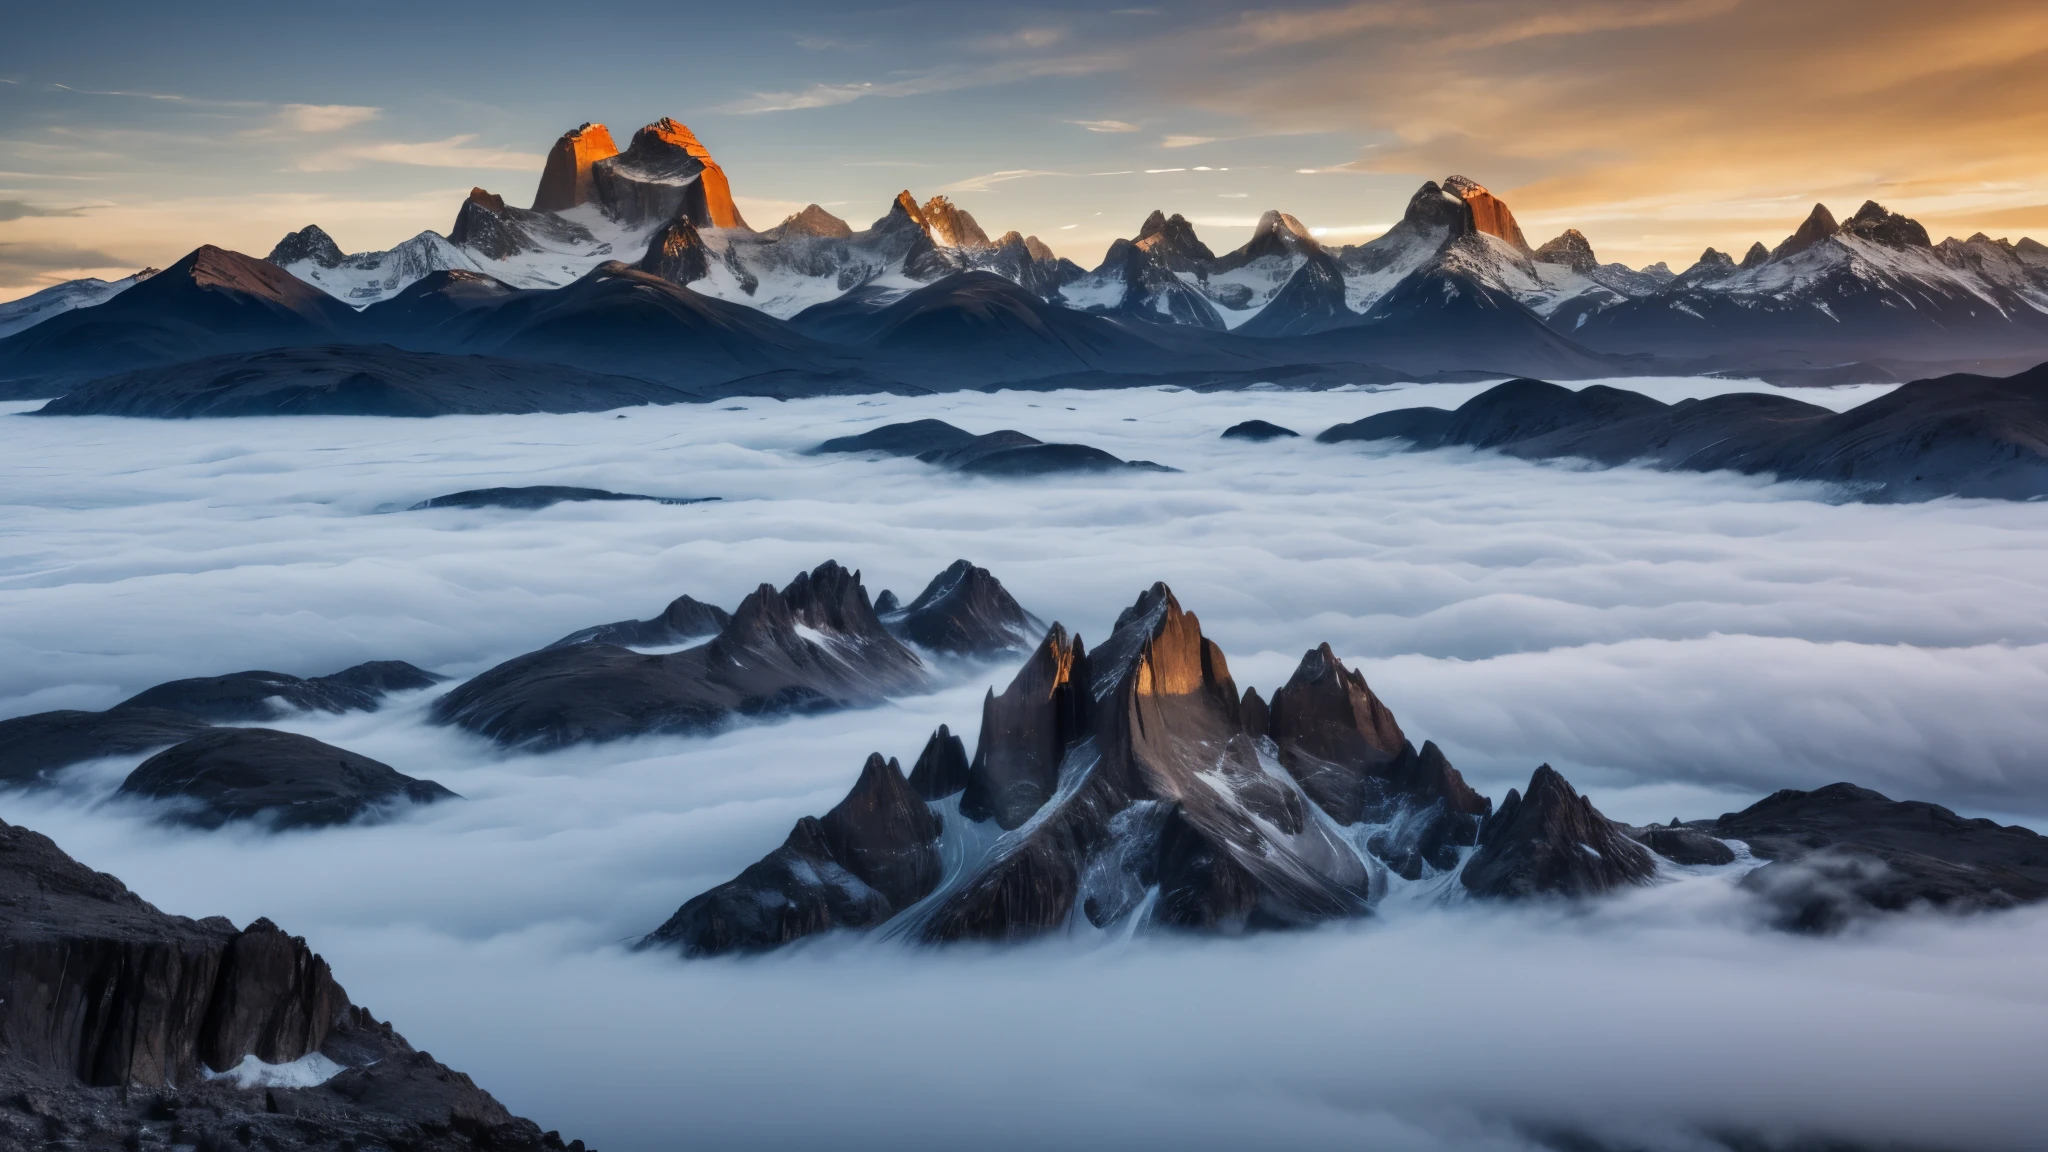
(130, 133)
(1678, 644)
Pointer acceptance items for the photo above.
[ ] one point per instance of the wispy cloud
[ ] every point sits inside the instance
(19, 210)
(325, 117)
(1105, 125)
(1186, 141)
(989, 180)
(453, 152)
(945, 79)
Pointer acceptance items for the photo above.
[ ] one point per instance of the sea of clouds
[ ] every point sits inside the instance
(1678, 645)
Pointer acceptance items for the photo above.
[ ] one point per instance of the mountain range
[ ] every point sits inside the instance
(638, 263)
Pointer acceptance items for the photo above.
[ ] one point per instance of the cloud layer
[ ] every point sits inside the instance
(1678, 644)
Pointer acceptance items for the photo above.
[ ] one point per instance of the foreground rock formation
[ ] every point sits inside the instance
(116, 1021)
(1133, 786)
(964, 611)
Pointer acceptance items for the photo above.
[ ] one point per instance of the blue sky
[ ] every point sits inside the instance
(129, 133)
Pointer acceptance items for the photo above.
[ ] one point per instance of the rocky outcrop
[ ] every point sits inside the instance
(1756, 257)
(533, 497)
(1025, 733)
(1818, 226)
(1171, 241)
(665, 173)
(1874, 223)
(1843, 852)
(1486, 211)
(282, 778)
(942, 769)
(1157, 785)
(1682, 845)
(951, 226)
(1312, 300)
(484, 225)
(1571, 249)
(870, 857)
(964, 611)
(685, 618)
(566, 180)
(241, 696)
(812, 221)
(1333, 734)
(114, 1016)
(1428, 812)
(677, 253)
(1258, 431)
(815, 645)
(1551, 841)
(310, 244)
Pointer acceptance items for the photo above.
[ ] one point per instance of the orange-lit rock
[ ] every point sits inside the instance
(1489, 214)
(664, 172)
(566, 182)
(951, 225)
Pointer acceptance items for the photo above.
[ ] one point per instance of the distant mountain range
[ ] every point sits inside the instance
(639, 263)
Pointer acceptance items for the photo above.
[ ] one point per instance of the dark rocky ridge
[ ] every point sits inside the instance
(288, 780)
(1961, 435)
(537, 496)
(241, 696)
(759, 664)
(684, 619)
(1841, 852)
(1551, 841)
(870, 857)
(1002, 453)
(32, 747)
(964, 611)
(1258, 430)
(356, 380)
(1135, 776)
(111, 1012)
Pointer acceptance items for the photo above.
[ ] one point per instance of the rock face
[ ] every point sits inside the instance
(566, 181)
(1841, 852)
(291, 781)
(964, 611)
(870, 857)
(1682, 845)
(311, 243)
(1344, 747)
(951, 226)
(111, 1011)
(241, 696)
(684, 619)
(1571, 249)
(1488, 213)
(1158, 786)
(942, 768)
(1953, 436)
(1551, 841)
(815, 645)
(1025, 733)
(815, 222)
(537, 496)
(1171, 241)
(676, 254)
(1333, 733)
(1258, 430)
(1312, 300)
(665, 173)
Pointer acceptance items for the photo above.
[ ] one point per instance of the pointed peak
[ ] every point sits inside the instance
(814, 221)
(1818, 226)
(1757, 255)
(1039, 249)
(1153, 225)
(1874, 223)
(1571, 249)
(952, 226)
(490, 200)
(309, 243)
(905, 205)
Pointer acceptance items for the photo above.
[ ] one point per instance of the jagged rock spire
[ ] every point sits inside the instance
(1488, 213)
(566, 180)
(1818, 226)
(1570, 249)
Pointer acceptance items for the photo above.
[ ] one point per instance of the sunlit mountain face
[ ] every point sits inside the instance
(1431, 577)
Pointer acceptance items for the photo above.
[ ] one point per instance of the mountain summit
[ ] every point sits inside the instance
(566, 181)
(665, 171)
